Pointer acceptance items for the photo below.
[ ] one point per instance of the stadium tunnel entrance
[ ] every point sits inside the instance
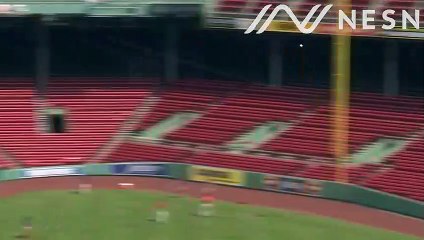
(56, 120)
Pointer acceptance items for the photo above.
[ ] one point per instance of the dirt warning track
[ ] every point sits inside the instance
(340, 210)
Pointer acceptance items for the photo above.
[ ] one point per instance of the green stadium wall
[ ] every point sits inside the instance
(372, 198)
(328, 190)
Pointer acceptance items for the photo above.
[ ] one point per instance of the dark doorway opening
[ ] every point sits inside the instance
(57, 122)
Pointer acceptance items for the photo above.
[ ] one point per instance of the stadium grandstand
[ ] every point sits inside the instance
(102, 83)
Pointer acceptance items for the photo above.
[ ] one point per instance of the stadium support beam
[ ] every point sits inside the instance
(341, 95)
(42, 56)
(391, 68)
(171, 53)
(275, 70)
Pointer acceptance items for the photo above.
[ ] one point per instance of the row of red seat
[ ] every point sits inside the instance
(242, 112)
(312, 135)
(94, 110)
(410, 158)
(406, 183)
(5, 163)
(247, 163)
(393, 181)
(171, 103)
(354, 174)
(401, 182)
(133, 151)
(365, 126)
(136, 151)
(184, 96)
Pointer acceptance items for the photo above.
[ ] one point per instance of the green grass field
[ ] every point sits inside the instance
(122, 215)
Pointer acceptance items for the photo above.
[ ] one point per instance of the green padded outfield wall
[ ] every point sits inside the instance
(254, 180)
(12, 174)
(372, 198)
(97, 169)
(330, 190)
(179, 171)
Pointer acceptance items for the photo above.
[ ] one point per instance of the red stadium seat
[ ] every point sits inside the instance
(96, 108)
(94, 111)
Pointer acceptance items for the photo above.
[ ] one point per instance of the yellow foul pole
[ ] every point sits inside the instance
(341, 94)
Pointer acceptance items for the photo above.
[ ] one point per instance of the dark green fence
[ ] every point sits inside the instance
(97, 169)
(179, 171)
(254, 180)
(329, 190)
(372, 198)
